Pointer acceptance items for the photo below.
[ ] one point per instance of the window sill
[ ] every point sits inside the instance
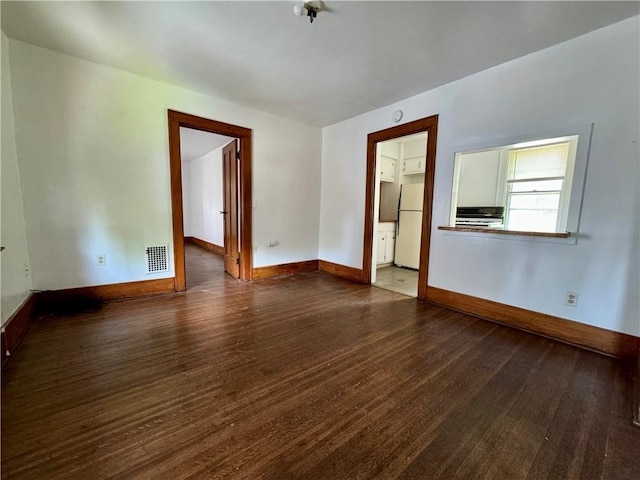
(505, 232)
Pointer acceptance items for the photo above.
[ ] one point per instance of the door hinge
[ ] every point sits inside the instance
(238, 261)
(237, 155)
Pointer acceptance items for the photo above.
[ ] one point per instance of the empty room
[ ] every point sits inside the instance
(320, 240)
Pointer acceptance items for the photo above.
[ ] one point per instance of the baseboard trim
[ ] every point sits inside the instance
(53, 300)
(17, 327)
(106, 293)
(285, 269)
(350, 273)
(586, 336)
(636, 408)
(211, 247)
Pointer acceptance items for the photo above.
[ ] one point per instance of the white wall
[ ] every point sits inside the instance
(591, 79)
(186, 199)
(94, 163)
(478, 180)
(203, 198)
(16, 279)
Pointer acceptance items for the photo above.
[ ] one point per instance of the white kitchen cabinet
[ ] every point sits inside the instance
(412, 166)
(387, 169)
(386, 243)
(390, 247)
(382, 248)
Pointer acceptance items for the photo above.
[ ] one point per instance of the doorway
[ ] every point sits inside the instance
(426, 126)
(240, 178)
(205, 203)
(399, 197)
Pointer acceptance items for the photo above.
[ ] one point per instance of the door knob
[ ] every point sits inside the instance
(222, 212)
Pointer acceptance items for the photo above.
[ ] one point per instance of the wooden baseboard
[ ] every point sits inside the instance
(17, 326)
(350, 273)
(106, 293)
(586, 336)
(285, 269)
(212, 247)
(636, 408)
(74, 299)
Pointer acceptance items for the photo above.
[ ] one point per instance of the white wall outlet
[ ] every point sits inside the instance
(571, 299)
(101, 260)
(273, 243)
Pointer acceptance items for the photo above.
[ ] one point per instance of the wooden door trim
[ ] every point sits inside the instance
(177, 120)
(430, 125)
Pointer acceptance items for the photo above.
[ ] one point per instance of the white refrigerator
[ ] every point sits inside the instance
(409, 226)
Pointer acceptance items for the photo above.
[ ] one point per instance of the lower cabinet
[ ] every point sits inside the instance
(386, 243)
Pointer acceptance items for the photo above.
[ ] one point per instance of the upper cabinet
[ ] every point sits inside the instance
(387, 169)
(388, 153)
(414, 153)
(402, 156)
(413, 165)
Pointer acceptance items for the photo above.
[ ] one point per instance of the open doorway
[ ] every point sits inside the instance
(236, 209)
(400, 167)
(208, 227)
(399, 199)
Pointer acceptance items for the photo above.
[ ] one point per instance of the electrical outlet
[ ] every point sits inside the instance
(571, 299)
(101, 260)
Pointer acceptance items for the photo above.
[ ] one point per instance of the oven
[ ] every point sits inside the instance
(488, 217)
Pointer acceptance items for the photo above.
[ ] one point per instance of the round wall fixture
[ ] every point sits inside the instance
(397, 116)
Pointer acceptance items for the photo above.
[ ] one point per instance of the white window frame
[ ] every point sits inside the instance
(567, 178)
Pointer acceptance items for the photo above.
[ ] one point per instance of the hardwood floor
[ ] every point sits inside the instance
(308, 376)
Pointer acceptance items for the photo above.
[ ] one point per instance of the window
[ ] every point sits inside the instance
(536, 182)
(535, 190)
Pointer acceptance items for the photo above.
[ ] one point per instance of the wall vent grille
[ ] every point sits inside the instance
(157, 260)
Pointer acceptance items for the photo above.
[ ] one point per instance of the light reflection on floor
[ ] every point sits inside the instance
(396, 279)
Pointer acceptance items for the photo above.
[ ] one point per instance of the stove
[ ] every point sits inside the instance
(488, 217)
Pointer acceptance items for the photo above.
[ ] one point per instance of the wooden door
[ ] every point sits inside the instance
(230, 208)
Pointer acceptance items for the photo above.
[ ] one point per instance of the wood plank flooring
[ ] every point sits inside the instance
(306, 377)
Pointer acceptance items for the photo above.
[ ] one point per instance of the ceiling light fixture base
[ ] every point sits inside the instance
(309, 9)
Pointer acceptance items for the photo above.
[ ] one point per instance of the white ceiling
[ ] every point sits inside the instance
(195, 143)
(356, 57)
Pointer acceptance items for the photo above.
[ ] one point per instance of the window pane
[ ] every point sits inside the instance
(536, 186)
(533, 220)
(532, 201)
(539, 162)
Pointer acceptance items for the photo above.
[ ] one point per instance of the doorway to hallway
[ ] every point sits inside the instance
(237, 204)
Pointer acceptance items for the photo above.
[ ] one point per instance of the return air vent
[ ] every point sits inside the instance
(157, 260)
